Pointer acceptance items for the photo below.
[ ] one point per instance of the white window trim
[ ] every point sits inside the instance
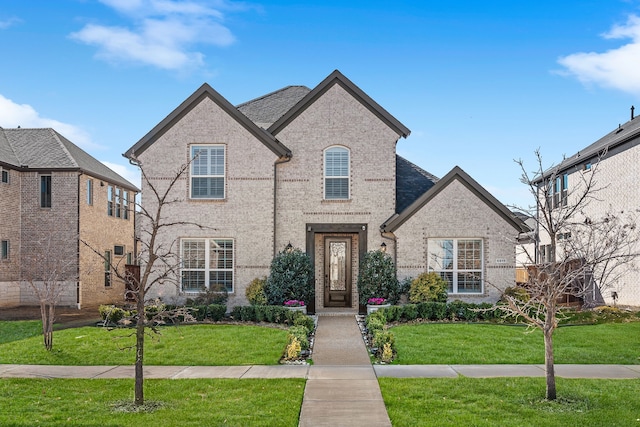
(223, 175)
(455, 271)
(347, 177)
(207, 259)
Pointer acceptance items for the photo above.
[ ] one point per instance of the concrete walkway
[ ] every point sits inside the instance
(342, 388)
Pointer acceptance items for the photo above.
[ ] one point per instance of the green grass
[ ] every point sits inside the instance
(210, 402)
(15, 331)
(430, 343)
(510, 402)
(176, 345)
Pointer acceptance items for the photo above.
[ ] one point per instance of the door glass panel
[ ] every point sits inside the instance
(337, 266)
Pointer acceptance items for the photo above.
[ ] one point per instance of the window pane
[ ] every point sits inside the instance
(45, 191)
(200, 165)
(220, 279)
(440, 254)
(5, 176)
(90, 192)
(193, 254)
(217, 161)
(4, 250)
(207, 188)
(469, 254)
(192, 280)
(469, 282)
(336, 188)
(337, 162)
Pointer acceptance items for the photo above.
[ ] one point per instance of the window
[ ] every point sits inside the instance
(118, 203)
(125, 204)
(110, 200)
(5, 175)
(587, 166)
(207, 172)
(45, 191)
(560, 191)
(207, 264)
(4, 249)
(459, 262)
(118, 250)
(129, 258)
(336, 173)
(107, 269)
(546, 253)
(90, 192)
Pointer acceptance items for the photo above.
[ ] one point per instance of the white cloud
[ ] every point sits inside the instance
(162, 33)
(127, 171)
(9, 22)
(615, 68)
(13, 115)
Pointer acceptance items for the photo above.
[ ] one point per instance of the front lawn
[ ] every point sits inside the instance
(462, 343)
(204, 402)
(510, 402)
(213, 345)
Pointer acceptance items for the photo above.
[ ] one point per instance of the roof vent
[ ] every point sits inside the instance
(620, 128)
(632, 109)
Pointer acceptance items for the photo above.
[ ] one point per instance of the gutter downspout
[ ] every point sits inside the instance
(281, 160)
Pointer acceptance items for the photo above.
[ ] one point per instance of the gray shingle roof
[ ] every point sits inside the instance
(267, 109)
(625, 133)
(411, 183)
(45, 148)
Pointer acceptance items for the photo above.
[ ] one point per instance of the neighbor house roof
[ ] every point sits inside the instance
(411, 183)
(206, 91)
(267, 109)
(46, 149)
(628, 132)
(332, 79)
(456, 173)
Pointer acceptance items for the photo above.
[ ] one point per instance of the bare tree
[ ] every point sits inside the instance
(576, 255)
(51, 272)
(159, 260)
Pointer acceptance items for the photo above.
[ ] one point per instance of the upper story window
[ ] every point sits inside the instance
(118, 203)
(45, 191)
(89, 192)
(207, 172)
(4, 249)
(110, 200)
(125, 204)
(4, 174)
(336, 173)
(560, 190)
(459, 262)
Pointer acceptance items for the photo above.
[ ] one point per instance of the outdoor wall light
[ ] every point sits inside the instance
(288, 248)
(383, 247)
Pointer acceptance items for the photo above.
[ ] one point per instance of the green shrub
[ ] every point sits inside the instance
(199, 312)
(261, 312)
(410, 311)
(404, 286)
(302, 334)
(248, 313)
(428, 287)
(112, 314)
(216, 312)
(377, 278)
(152, 310)
(255, 292)
(374, 324)
(439, 310)
(382, 337)
(290, 278)
(216, 294)
(305, 321)
(393, 313)
(517, 292)
(277, 314)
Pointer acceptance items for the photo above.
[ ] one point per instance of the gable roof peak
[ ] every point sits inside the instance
(336, 77)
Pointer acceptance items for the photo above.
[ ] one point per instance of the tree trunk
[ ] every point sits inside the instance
(47, 312)
(548, 359)
(139, 386)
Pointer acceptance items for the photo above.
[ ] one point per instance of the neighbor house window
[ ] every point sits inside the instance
(118, 250)
(336, 173)
(118, 203)
(207, 264)
(560, 190)
(207, 172)
(89, 191)
(459, 263)
(5, 175)
(4, 249)
(107, 269)
(125, 204)
(110, 200)
(45, 191)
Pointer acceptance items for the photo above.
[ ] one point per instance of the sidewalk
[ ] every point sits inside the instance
(320, 372)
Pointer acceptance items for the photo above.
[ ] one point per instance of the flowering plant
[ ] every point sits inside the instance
(294, 303)
(376, 301)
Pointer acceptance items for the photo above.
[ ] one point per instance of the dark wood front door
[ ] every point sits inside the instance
(337, 271)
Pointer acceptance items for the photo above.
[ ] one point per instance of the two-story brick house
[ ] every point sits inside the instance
(52, 193)
(615, 161)
(317, 168)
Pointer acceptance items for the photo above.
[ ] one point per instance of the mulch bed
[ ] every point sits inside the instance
(64, 315)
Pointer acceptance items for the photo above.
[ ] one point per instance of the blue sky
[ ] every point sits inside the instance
(479, 83)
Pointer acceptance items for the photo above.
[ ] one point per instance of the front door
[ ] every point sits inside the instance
(337, 271)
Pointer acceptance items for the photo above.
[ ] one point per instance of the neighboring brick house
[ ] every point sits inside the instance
(318, 168)
(50, 189)
(615, 160)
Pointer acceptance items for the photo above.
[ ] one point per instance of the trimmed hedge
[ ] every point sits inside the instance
(268, 313)
(440, 311)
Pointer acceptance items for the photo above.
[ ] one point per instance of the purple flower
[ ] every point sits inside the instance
(294, 303)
